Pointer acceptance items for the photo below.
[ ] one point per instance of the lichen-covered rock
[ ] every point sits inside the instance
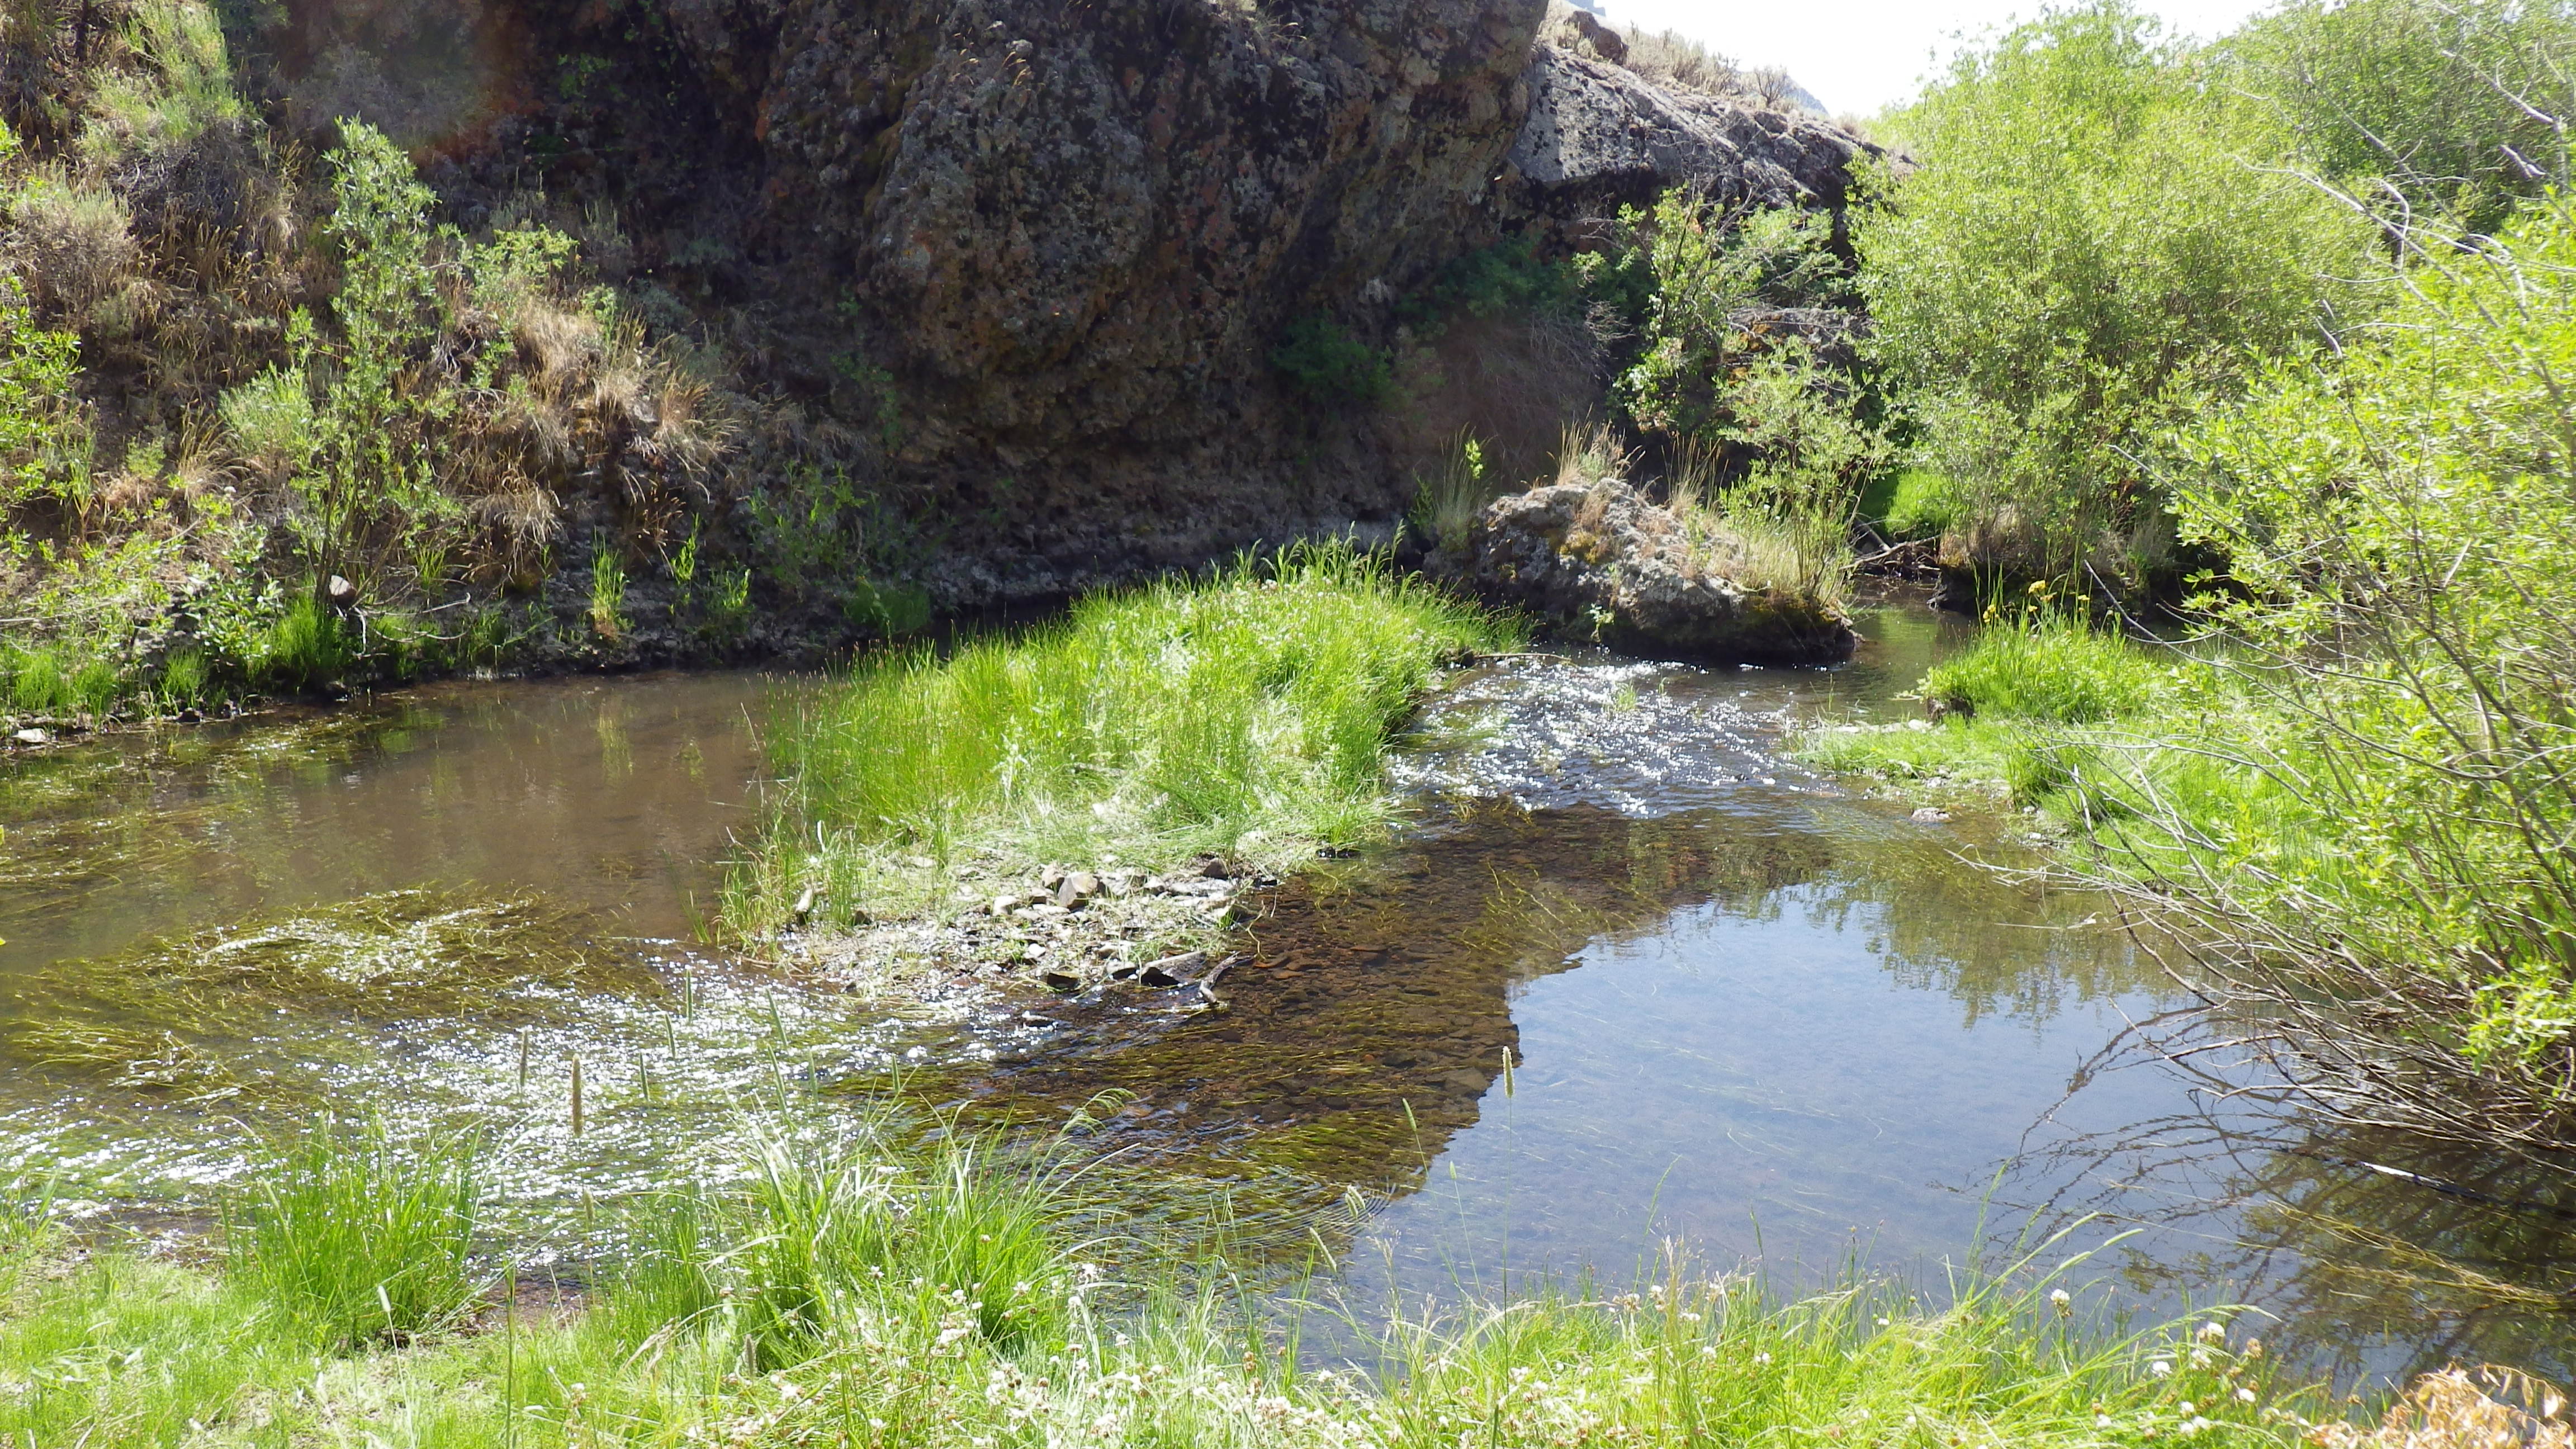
(1082, 222)
(1598, 138)
(1600, 561)
(1020, 268)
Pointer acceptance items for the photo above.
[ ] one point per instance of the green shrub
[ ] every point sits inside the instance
(1507, 279)
(36, 415)
(359, 1237)
(820, 533)
(891, 610)
(2450, 101)
(1708, 265)
(1773, 446)
(2095, 242)
(2396, 522)
(1801, 426)
(1328, 365)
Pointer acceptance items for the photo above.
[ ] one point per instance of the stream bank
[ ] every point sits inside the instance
(1626, 974)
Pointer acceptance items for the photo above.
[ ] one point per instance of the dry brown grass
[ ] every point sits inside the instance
(72, 241)
(1587, 452)
(1792, 555)
(2483, 1408)
(1677, 62)
(555, 344)
(1669, 59)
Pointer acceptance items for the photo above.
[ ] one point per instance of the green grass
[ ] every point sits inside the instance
(1913, 503)
(2138, 747)
(1448, 501)
(2055, 669)
(247, 649)
(1246, 714)
(304, 646)
(2058, 714)
(361, 1237)
(897, 1290)
(56, 680)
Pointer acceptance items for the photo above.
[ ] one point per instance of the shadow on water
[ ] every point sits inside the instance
(1739, 1007)
(1374, 1012)
(2371, 1251)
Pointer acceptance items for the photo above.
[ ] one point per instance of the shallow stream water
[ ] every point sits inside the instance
(1630, 978)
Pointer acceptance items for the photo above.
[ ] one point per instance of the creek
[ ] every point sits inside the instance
(1630, 977)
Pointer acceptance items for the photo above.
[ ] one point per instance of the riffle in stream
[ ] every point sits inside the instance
(1629, 977)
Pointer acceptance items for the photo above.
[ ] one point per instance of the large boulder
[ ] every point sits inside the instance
(1599, 561)
(1597, 137)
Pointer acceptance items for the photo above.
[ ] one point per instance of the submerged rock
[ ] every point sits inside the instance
(1173, 970)
(1599, 561)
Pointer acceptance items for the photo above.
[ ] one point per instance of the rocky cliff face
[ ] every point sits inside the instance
(1024, 263)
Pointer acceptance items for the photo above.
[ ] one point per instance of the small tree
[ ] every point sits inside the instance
(2091, 244)
(2455, 108)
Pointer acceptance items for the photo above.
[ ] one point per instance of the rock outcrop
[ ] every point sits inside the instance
(1598, 138)
(1598, 561)
(1017, 269)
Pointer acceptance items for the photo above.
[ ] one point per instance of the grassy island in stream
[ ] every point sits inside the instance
(1243, 715)
(888, 1290)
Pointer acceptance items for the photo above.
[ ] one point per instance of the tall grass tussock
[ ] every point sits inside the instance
(2049, 709)
(1246, 714)
(359, 1237)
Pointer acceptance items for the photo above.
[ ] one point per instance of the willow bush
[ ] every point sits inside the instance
(2090, 244)
(2448, 108)
(2386, 877)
